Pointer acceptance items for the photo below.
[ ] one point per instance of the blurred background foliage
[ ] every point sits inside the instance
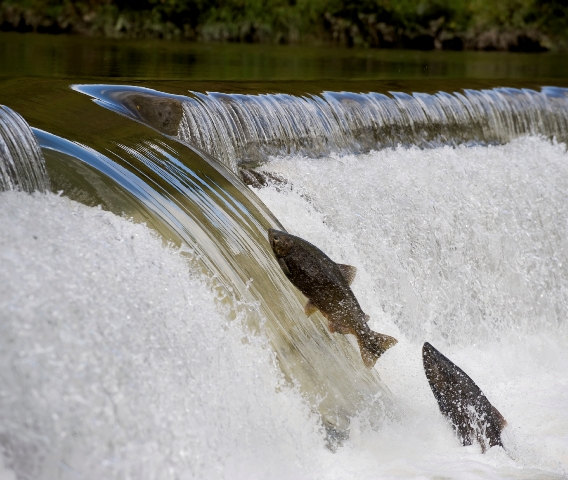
(514, 25)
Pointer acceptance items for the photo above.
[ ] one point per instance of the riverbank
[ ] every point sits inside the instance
(512, 25)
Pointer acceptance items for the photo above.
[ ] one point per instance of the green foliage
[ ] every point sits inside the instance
(381, 23)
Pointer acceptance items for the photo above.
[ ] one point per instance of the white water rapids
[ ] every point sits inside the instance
(465, 248)
(117, 362)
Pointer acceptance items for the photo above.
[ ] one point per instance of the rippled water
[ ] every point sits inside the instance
(75, 57)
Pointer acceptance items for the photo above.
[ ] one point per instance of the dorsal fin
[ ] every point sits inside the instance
(348, 272)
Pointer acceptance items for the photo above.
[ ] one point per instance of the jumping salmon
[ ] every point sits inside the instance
(461, 401)
(326, 284)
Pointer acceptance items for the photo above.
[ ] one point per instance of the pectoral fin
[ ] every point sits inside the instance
(310, 308)
(283, 266)
(348, 272)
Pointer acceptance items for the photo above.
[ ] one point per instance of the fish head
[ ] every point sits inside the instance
(281, 242)
(440, 371)
(462, 401)
(448, 389)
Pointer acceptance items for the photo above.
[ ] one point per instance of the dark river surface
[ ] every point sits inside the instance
(249, 66)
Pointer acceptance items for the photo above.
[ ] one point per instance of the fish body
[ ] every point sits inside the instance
(461, 401)
(157, 111)
(326, 285)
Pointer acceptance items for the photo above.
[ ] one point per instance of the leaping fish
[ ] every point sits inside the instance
(326, 284)
(461, 401)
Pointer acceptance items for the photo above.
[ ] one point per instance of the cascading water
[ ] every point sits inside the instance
(125, 359)
(461, 244)
(21, 162)
(464, 247)
(248, 128)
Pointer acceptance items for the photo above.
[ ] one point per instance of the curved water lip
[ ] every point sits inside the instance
(21, 163)
(237, 129)
(196, 201)
(227, 128)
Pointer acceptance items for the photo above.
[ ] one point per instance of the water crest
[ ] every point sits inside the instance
(21, 162)
(248, 128)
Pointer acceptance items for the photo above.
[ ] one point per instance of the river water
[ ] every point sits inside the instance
(146, 330)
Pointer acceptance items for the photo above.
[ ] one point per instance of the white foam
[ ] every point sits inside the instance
(466, 248)
(115, 361)
(5, 473)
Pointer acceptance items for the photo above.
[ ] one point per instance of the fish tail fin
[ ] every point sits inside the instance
(373, 345)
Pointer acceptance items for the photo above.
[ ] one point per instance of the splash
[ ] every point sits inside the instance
(205, 207)
(463, 247)
(463, 243)
(459, 246)
(116, 362)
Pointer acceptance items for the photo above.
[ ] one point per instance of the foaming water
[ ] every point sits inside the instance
(247, 128)
(465, 248)
(21, 162)
(116, 362)
(459, 244)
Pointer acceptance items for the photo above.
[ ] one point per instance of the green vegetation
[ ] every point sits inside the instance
(522, 25)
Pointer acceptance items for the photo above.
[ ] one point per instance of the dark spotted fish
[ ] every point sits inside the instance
(461, 401)
(326, 284)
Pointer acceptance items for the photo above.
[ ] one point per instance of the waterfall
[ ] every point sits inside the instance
(240, 129)
(196, 202)
(149, 332)
(21, 162)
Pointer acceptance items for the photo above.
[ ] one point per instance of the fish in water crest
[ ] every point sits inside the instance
(461, 401)
(326, 284)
